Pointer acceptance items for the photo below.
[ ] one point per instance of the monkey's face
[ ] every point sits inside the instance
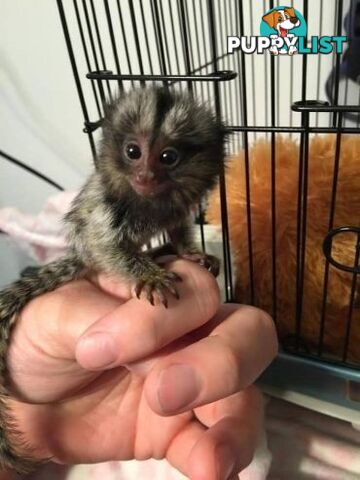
(161, 144)
(149, 165)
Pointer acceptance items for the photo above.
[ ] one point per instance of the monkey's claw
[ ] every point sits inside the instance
(156, 285)
(210, 262)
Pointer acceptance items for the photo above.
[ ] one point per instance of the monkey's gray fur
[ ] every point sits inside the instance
(161, 152)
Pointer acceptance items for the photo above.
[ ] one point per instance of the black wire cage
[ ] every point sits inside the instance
(266, 100)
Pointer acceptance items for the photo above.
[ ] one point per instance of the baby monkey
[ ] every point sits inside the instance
(161, 152)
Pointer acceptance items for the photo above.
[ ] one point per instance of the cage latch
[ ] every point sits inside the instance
(90, 127)
(327, 247)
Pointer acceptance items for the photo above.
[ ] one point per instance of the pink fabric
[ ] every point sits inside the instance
(308, 445)
(41, 236)
(302, 444)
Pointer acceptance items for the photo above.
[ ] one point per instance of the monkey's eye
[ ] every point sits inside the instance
(169, 157)
(132, 151)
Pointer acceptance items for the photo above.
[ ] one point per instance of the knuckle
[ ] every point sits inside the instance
(235, 379)
(206, 291)
(230, 366)
(157, 333)
(263, 322)
(267, 326)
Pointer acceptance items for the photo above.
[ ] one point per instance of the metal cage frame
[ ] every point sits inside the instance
(295, 369)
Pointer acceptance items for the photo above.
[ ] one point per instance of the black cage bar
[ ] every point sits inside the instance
(115, 45)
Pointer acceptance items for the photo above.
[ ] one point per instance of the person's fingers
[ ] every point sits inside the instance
(230, 359)
(222, 441)
(50, 326)
(137, 329)
(235, 424)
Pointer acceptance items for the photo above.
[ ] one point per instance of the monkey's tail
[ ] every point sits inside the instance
(12, 300)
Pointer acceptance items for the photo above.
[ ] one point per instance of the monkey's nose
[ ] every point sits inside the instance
(145, 177)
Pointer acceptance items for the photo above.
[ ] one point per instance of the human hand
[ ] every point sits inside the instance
(172, 383)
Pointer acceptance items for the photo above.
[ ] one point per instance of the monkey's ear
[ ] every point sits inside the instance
(224, 132)
(270, 18)
(109, 108)
(107, 121)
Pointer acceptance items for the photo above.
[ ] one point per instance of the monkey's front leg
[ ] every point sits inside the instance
(153, 279)
(148, 277)
(182, 240)
(210, 262)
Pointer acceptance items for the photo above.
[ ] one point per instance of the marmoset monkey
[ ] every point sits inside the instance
(161, 152)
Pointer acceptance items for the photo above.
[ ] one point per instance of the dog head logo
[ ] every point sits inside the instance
(282, 20)
(283, 25)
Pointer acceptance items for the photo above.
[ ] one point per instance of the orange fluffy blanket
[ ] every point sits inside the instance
(347, 212)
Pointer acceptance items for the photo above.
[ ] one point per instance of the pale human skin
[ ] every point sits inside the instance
(76, 406)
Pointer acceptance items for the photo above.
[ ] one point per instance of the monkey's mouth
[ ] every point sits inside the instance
(149, 188)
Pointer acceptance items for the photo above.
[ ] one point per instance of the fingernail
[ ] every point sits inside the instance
(96, 351)
(179, 385)
(225, 462)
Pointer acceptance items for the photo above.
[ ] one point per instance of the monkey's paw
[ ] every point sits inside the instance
(157, 284)
(210, 262)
